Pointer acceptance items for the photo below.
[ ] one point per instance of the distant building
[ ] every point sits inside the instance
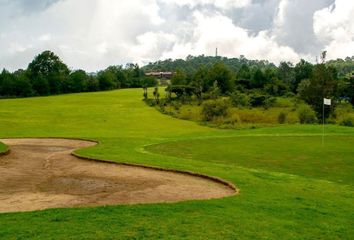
(160, 75)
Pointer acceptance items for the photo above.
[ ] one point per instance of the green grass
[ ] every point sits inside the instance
(299, 155)
(309, 195)
(3, 147)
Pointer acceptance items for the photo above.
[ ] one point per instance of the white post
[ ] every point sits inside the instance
(323, 124)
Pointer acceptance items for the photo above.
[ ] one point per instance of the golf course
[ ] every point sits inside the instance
(290, 185)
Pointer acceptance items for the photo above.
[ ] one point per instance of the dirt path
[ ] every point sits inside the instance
(41, 173)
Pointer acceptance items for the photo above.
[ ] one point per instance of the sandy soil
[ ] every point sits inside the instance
(41, 173)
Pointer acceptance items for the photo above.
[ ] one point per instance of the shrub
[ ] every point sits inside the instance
(239, 99)
(176, 105)
(283, 102)
(269, 102)
(235, 118)
(343, 109)
(257, 100)
(306, 114)
(189, 113)
(347, 121)
(255, 116)
(215, 108)
(282, 117)
(150, 102)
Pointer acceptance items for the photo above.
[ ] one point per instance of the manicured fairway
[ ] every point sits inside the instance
(287, 192)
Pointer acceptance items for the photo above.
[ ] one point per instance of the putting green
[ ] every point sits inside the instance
(289, 201)
(300, 155)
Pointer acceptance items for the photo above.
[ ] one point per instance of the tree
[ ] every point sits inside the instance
(243, 78)
(148, 81)
(156, 95)
(40, 85)
(145, 94)
(92, 84)
(77, 82)
(49, 70)
(286, 74)
(303, 70)
(199, 81)
(133, 75)
(223, 76)
(258, 79)
(181, 90)
(244, 73)
(22, 85)
(214, 91)
(322, 84)
(106, 80)
(179, 78)
(6, 83)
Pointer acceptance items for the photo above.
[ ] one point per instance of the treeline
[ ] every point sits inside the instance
(256, 83)
(48, 75)
(191, 64)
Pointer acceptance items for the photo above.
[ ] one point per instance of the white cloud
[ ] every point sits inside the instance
(45, 37)
(224, 4)
(93, 34)
(334, 26)
(230, 40)
(293, 25)
(88, 34)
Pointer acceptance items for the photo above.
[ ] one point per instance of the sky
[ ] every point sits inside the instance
(93, 34)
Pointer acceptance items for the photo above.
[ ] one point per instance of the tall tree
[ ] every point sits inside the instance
(223, 76)
(322, 84)
(199, 80)
(48, 70)
(258, 79)
(286, 74)
(77, 82)
(303, 70)
(179, 78)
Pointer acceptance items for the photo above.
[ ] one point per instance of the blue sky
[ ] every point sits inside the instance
(93, 34)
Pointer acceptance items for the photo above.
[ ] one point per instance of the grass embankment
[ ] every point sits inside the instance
(290, 188)
(3, 148)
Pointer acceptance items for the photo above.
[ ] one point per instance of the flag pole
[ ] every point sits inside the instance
(323, 123)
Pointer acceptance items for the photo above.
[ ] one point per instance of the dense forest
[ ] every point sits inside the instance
(214, 85)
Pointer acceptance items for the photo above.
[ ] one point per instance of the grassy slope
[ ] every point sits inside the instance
(3, 148)
(271, 205)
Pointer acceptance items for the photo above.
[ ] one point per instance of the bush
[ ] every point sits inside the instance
(283, 102)
(258, 99)
(188, 112)
(255, 116)
(306, 114)
(176, 105)
(215, 108)
(282, 117)
(239, 99)
(269, 102)
(150, 102)
(347, 121)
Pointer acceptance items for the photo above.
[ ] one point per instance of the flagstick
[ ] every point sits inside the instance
(323, 124)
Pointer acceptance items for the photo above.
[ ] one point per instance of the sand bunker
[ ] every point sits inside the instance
(42, 173)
